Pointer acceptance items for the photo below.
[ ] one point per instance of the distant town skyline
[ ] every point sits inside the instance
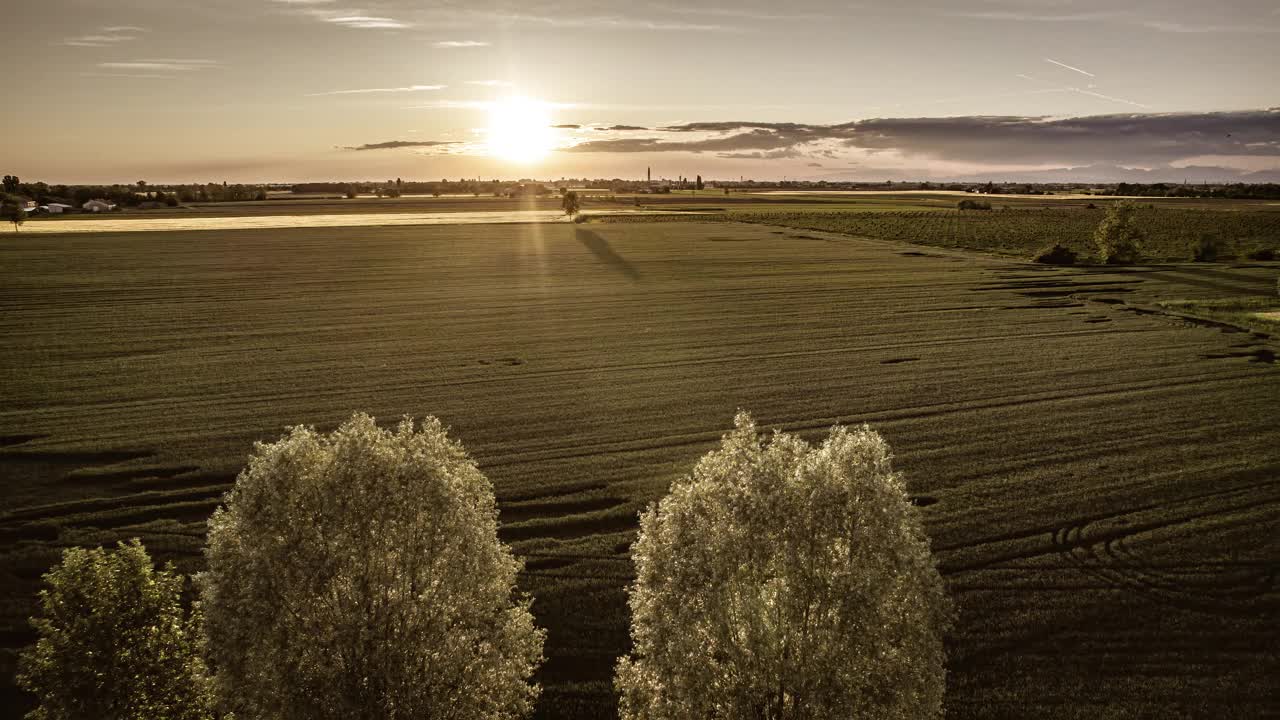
(315, 90)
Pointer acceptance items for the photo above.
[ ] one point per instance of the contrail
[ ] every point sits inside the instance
(1108, 97)
(1076, 69)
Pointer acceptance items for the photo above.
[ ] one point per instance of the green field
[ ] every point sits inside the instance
(1101, 482)
(1169, 234)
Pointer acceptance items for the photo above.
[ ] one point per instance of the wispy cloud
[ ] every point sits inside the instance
(396, 144)
(741, 13)
(1185, 28)
(360, 91)
(606, 22)
(1073, 69)
(460, 44)
(453, 105)
(1126, 17)
(367, 22)
(109, 36)
(161, 65)
(125, 75)
(1026, 16)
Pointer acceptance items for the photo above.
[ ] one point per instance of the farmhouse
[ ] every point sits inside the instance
(98, 206)
(56, 208)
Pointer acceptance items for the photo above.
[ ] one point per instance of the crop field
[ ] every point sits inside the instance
(1100, 481)
(1170, 234)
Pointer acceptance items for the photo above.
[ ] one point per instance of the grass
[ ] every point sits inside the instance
(1169, 234)
(1257, 313)
(1107, 512)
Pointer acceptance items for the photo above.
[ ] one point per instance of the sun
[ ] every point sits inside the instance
(519, 130)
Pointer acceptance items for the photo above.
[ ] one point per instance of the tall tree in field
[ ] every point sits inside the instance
(1117, 237)
(698, 183)
(12, 213)
(781, 580)
(114, 642)
(570, 203)
(358, 574)
(11, 183)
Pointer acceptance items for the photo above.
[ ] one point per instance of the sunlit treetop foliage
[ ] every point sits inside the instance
(114, 641)
(358, 574)
(782, 580)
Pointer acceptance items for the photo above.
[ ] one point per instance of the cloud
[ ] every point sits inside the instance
(569, 126)
(606, 22)
(405, 89)
(395, 144)
(460, 44)
(1136, 139)
(367, 22)
(743, 13)
(109, 36)
(1024, 16)
(813, 164)
(1177, 27)
(1132, 139)
(613, 128)
(769, 155)
(1125, 17)
(166, 65)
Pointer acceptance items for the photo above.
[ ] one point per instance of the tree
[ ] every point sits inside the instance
(114, 641)
(11, 183)
(697, 185)
(779, 581)
(570, 203)
(12, 212)
(358, 574)
(1117, 237)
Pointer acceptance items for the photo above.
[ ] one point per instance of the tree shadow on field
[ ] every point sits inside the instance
(600, 248)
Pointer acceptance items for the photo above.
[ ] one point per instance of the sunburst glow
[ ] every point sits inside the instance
(519, 130)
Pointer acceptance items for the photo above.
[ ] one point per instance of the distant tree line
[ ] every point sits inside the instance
(132, 195)
(1233, 191)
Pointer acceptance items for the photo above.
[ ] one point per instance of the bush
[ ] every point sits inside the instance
(1258, 252)
(973, 205)
(114, 641)
(1205, 249)
(781, 580)
(1055, 255)
(358, 574)
(1117, 237)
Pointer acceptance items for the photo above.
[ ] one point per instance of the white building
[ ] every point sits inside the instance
(57, 208)
(98, 206)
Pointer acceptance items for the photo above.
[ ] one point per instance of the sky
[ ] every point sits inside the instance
(314, 90)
